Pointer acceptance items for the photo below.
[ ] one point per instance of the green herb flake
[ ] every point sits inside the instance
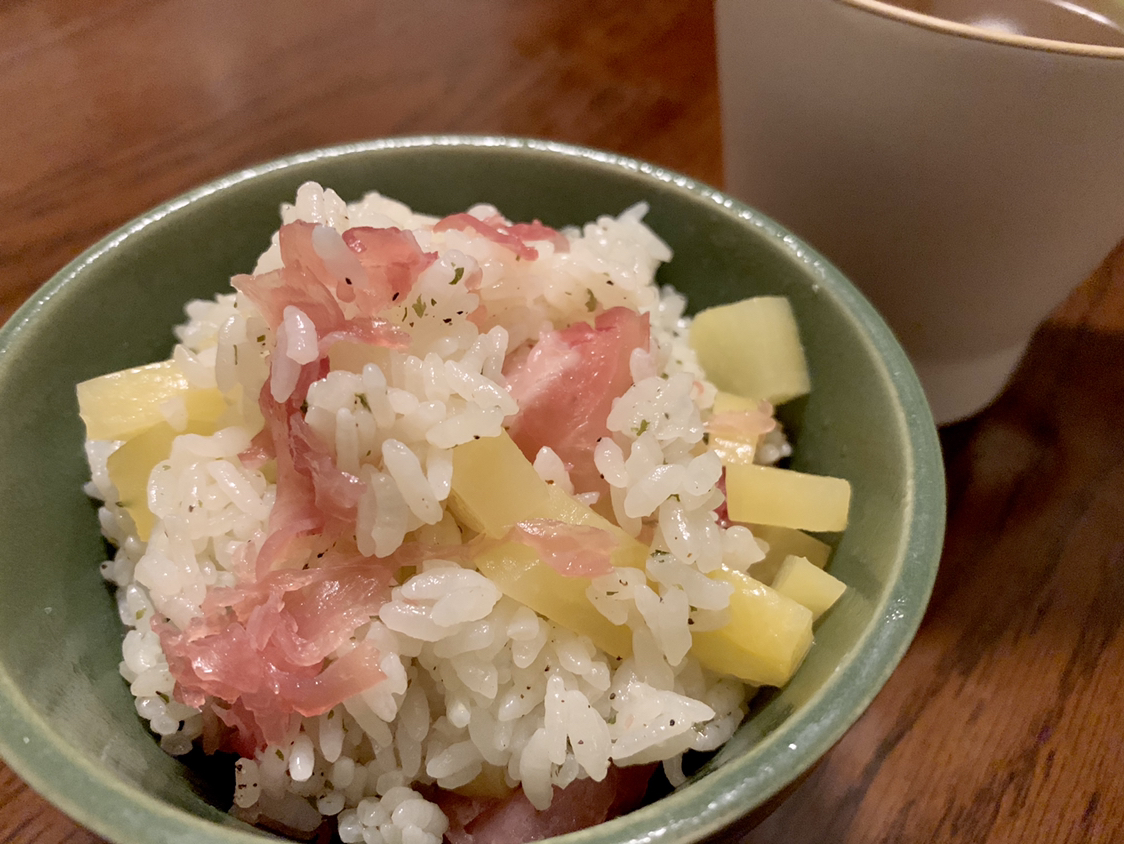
(419, 307)
(362, 397)
(591, 302)
(458, 275)
(280, 755)
(140, 614)
(261, 338)
(641, 428)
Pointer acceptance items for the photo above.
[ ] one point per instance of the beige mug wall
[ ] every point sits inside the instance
(965, 182)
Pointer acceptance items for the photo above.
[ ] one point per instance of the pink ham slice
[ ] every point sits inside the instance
(529, 232)
(371, 267)
(571, 550)
(272, 292)
(566, 386)
(513, 237)
(392, 262)
(512, 820)
(263, 648)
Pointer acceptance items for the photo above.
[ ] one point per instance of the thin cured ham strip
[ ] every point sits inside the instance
(294, 512)
(566, 386)
(571, 550)
(272, 292)
(307, 613)
(513, 820)
(369, 331)
(743, 424)
(263, 647)
(503, 236)
(313, 494)
(336, 493)
(391, 260)
(351, 674)
(537, 231)
(370, 267)
(320, 255)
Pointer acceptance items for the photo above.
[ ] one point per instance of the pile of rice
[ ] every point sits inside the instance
(474, 681)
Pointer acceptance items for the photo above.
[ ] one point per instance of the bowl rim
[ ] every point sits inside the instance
(697, 811)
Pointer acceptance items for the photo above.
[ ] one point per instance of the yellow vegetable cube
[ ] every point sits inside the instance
(752, 348)
(770, 496)
(766, 639)
(808, 585)
(782, 543)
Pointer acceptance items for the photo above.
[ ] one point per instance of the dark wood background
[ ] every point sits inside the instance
(1004, 722)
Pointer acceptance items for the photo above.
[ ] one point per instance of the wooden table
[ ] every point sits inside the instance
(1003, 723)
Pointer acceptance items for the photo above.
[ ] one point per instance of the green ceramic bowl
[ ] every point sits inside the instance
(67, 723)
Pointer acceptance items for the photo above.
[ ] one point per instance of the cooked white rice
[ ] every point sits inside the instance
(473, 678)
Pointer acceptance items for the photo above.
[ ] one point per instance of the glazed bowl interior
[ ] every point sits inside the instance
(67, 723)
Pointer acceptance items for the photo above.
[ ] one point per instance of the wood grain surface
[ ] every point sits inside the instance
(1004, 723)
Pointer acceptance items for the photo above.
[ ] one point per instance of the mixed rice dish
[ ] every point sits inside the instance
(446, 528)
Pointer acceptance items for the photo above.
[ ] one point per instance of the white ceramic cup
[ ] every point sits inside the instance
(966, 180)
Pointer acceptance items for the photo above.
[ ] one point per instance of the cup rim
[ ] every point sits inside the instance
(975, 33)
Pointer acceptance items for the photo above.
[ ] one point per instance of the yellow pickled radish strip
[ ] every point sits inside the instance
(782, 543)
(519, 573)
(767, 636)
(752, 348)
(808, 585)
(494, 486)
(131, 465)
(785, 498)
(122, 404)
(565, 508)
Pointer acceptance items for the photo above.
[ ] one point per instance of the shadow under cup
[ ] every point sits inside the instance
(965, 178)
